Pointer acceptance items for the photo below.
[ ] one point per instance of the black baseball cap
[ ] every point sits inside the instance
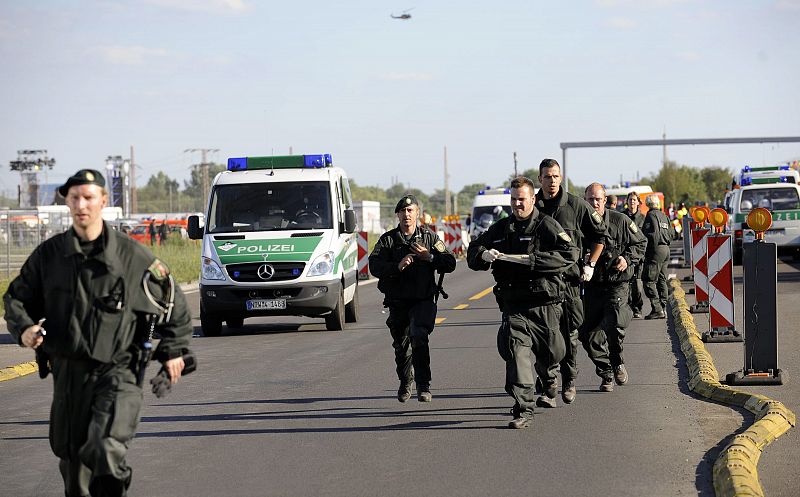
(82, 177)
(405, 201)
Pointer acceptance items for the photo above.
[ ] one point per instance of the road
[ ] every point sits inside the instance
(282, 407)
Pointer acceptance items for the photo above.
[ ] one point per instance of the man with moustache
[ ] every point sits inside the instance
(586, 228)
(529, 254)
(405, 261)
(605, 297)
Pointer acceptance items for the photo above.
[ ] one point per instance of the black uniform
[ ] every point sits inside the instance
(659, 236)
(410, 297)
(529, 296)
(635, 300)
(606, 295)
(92, 295)
(586, 228)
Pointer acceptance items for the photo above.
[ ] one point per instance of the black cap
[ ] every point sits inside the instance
(405, 201)
(82, 177)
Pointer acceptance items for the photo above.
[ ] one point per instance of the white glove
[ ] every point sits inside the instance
(490, 255)
(588, 271)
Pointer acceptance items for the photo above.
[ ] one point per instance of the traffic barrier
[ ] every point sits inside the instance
(687, 241)
(720, 283)
(735, 471)
(700, 259)
(760, 266)
(363, 255)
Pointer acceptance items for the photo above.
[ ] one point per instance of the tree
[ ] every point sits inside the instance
(531, 174)
(194, 187)
(160, 194)
(678, 183)
(716, 180)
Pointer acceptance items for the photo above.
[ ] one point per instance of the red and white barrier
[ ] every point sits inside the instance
(700, 268)
(720, 282)
(363, 255)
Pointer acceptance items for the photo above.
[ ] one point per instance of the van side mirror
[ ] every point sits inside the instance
(193, 228)
(349, 221)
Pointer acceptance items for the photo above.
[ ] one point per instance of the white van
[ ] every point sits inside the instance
(279, 240)
(489, 205)
(776, 189)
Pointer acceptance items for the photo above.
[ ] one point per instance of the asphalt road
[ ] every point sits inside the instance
(283, 407)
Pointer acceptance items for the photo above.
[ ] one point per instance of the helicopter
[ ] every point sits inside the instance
(404, 16)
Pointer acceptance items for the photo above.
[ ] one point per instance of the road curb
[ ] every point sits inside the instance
(735, 471)
(23, 369)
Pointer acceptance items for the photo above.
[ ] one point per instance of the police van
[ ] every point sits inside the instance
(489, 205)
(279, 240)
(775, 188)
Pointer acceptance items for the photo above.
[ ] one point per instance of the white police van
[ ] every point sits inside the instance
(489, 205)
(279, 240)
(776, 189)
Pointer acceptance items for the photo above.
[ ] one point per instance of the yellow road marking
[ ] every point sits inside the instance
(482, 294)
(460, 306)
(439, 320)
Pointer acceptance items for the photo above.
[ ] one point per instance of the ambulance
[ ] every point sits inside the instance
(775, 188)
(278, 240)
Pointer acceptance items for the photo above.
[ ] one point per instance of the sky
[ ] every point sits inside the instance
(89, 79)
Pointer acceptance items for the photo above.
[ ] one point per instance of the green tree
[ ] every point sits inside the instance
(678, 183)
(160, 194)
(193, 188)
(531, 174)
(716, 180)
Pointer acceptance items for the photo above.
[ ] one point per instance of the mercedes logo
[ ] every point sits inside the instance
(265, 271)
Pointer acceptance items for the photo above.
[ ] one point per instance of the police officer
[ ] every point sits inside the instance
(632, 204)
(585, 227)
(605, 297)
(659, 235)
(87, 283)
(529, 254)
(405, 260)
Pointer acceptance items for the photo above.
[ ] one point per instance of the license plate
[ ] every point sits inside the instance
(264, 304)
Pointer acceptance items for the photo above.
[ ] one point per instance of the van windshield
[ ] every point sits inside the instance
(270, 207)
(486, 215)
(774, 199)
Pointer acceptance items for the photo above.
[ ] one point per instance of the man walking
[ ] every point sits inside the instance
(405, 260)
(657, 230)
(529, 254)
(632, 209)
(88, 284)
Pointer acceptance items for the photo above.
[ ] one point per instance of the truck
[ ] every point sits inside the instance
(777, 189)
(278, 239)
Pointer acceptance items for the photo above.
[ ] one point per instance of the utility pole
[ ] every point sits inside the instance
(134, 202)
(515, 165)
(446, 185)
(203, 168)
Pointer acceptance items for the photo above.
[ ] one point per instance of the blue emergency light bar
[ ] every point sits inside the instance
(280, 162)
(484, 192)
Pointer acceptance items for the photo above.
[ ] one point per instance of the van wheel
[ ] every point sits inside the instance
(335, 320)
(235, 323)
(351, 309)
(212, 325)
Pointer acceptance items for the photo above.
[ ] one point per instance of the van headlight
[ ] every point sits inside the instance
(322, 265)
(210, 270)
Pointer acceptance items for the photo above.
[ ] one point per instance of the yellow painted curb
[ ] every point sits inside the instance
(19, 370)
(735, 470)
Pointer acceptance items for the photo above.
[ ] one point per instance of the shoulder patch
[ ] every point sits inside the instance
(159, 270)
(596, 218)
(633, 227)
(564, 236)
(439, 245)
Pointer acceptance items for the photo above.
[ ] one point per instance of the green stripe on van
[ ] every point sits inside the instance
(277, 249)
